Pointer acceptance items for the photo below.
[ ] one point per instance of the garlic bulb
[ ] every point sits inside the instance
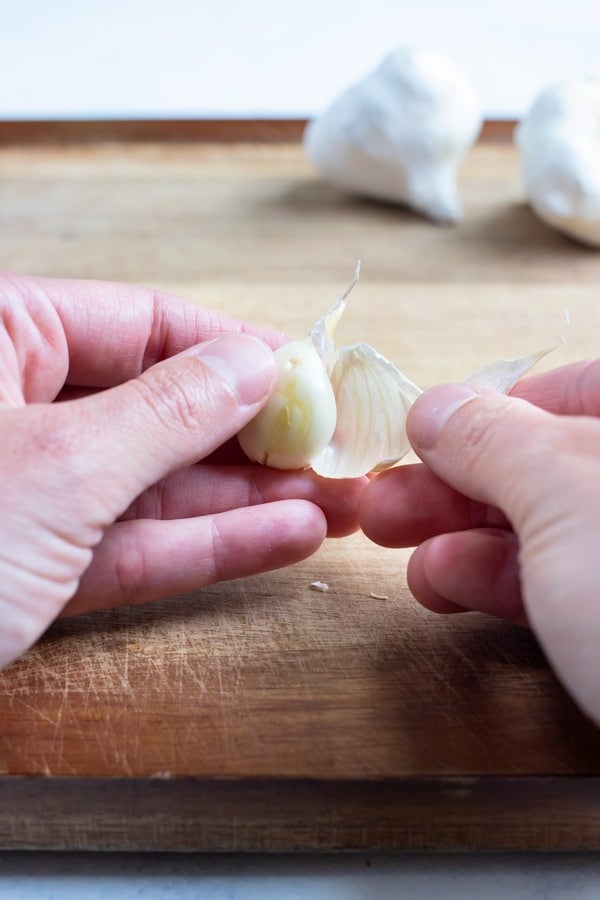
(400, 134)
(559, 144)
(340, 412)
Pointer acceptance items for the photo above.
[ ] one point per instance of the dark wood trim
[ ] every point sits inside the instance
(150, 131)
(180, 131)
(497, 131)
(449, 814)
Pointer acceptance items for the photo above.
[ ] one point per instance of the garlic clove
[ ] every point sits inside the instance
(559, 146)
(341, 412)
(299, 418)
(400, 134)
(373, 399)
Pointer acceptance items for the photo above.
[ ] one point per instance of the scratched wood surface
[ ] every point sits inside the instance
(260, 714)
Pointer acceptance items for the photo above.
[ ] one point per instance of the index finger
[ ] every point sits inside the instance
(116, 331)
(408, 504)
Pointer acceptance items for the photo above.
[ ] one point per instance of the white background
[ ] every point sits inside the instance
(274, 58)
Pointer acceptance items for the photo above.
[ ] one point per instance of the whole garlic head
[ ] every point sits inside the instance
(559, 144)
(400, 134)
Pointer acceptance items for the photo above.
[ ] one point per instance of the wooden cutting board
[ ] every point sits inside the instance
(260, 714)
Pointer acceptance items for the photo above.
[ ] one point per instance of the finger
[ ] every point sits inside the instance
(542, 470)
(485, 445)
(202, 489)
(147, 560)
(402, 507)
(116, 331)
(33, 350)
(127, 438)
(470, 570)
(570, 390)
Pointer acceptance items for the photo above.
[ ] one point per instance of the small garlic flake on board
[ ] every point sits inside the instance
(319, 586)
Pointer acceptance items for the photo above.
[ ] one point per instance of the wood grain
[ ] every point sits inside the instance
(273, 816)
(259, 714)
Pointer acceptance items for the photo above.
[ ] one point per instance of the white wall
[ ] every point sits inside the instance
(227, 58)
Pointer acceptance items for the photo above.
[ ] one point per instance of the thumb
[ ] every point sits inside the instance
(172, 415)
(541, 470)
(485, 445)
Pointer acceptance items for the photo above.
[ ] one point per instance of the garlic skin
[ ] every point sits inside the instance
(299, 417)
(373, 399)
(502, 375)
(559, 146)
(400, 134)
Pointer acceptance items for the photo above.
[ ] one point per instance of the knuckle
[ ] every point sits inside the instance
(586, 389)
(130, 567)
(51, 438)
(480, 429)
(171, 397)
(499, 449)
(215, 568)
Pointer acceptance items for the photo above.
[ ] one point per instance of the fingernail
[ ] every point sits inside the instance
(431, 412)
(244, 362)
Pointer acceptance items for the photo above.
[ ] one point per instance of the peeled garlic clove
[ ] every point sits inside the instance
(373, 399)
(559, 145)
(400, 134)
(299, 417)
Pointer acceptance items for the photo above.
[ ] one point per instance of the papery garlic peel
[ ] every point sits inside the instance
(502, 375)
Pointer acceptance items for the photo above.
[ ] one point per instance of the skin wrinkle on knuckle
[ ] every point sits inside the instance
(570, 489)
(53, 444)
(130, 567)
(180, 398)
(36, 333)
(155, 345)
(255, 492)
(148, 505)
(583, 392)
(480, 447)
(214, 568)
(547, 475)
(471, 433)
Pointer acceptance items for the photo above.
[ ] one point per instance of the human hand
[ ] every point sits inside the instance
(506, 512)
(103, 502)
